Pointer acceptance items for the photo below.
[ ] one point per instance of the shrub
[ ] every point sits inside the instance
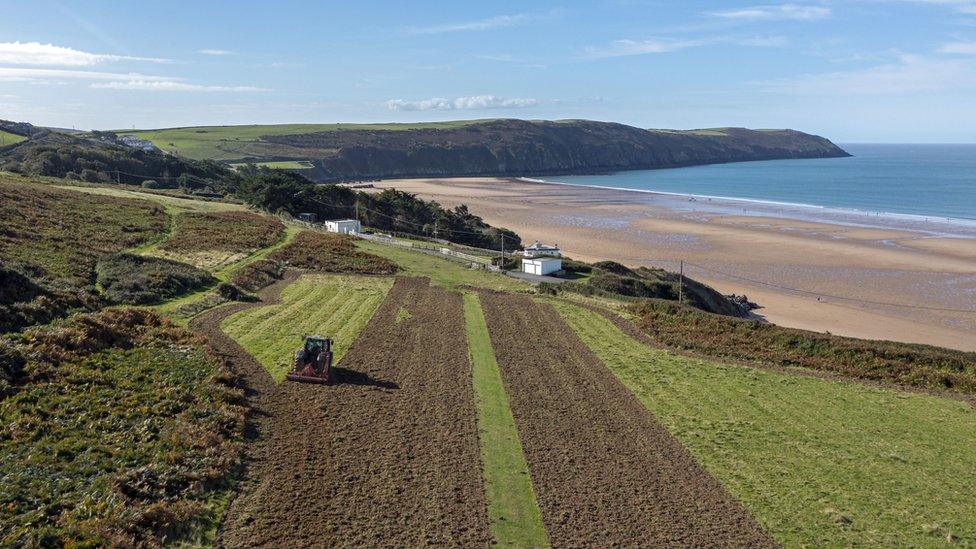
(90, 176)
(719, 336)
(226, 231)
(136, 280)
(259, 274)
(120, 434)
(231, 292)
(331, 253)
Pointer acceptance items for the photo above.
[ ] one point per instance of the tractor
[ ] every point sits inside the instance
(313, 362)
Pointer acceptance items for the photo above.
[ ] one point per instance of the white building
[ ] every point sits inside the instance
(342, 226)
(537, 249)
(542, 265)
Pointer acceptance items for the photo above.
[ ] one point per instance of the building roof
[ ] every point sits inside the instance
(342, 221)
(540, 246)
(544, 259)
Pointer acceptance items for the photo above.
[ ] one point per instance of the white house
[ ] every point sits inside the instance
(537, 249)
(342, 226)
(542, 265)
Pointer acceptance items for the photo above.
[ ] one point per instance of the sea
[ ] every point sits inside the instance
(921, 185)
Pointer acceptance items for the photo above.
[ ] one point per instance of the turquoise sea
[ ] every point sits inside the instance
(936, 181)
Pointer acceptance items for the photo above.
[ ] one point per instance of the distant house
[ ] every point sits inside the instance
(538, 249)
(307, 217)
(343, 226)
(136, 143)
(542, 265)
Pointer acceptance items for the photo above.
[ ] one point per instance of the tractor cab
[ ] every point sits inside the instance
(313, 362)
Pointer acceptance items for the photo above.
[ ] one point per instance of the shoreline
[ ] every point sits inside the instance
(769, 253)
(860, 216)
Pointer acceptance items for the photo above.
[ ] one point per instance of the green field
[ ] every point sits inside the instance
(7, 138)
(282, 165)
(334, 306)
(820, 463)
(237, 142)
(512, 510)
(443, 272)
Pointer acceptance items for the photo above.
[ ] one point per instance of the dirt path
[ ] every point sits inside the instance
(606, 473)
(387, 457)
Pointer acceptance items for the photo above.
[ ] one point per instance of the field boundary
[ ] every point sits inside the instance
(513, 514)
(628, 328)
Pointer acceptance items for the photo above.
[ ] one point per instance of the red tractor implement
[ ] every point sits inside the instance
(313, 362)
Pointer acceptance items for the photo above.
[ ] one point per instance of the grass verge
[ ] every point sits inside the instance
(819, 463)
(443, 272)
(333, 306)
(513, 513)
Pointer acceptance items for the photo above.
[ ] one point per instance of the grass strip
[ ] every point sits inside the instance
(336, 306)
(818, 462)
(513, 514)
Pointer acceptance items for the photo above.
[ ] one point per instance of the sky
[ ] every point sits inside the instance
(850, 70)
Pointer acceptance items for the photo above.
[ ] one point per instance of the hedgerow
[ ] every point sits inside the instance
(913, 365)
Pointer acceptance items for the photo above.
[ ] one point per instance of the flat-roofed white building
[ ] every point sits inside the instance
(342, 226)
(542, 265)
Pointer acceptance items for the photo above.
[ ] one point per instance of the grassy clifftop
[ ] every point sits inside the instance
(484, 147)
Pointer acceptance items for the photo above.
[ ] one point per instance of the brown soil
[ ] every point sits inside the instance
(389, 456)
(605, 472)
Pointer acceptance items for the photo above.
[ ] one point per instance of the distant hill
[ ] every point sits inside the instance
(504, 147)
(103, 157)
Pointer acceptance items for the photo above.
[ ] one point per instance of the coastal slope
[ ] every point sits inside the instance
(485, 147)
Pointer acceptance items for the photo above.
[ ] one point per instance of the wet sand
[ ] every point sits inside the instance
(754, 251)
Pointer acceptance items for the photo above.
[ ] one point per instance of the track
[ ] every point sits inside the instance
(605, 472)
(387, 457)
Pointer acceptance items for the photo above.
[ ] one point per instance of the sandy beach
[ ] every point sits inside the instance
(878, 280)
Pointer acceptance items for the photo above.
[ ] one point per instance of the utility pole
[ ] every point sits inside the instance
(681, 280)
(117, 178)
(503, 252)
(435, 228)
(357, 210)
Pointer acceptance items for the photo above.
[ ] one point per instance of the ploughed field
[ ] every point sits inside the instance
(606, 472)
(388, 456)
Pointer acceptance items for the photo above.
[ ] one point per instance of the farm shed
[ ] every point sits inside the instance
(343, 226)
(537, 249)
(307, 217)
(541, 265)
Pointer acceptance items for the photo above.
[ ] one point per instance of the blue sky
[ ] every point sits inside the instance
(856, 70)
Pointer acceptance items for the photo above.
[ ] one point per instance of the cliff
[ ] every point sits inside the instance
(521, 147)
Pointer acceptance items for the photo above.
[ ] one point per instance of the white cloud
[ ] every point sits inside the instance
(157, 85)
(461, 103)
(24, 74)
(35, 53)
(909, 74)
(215, 52)
(795, 12)
(620, 48)
(498, 21)
(964, 48)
